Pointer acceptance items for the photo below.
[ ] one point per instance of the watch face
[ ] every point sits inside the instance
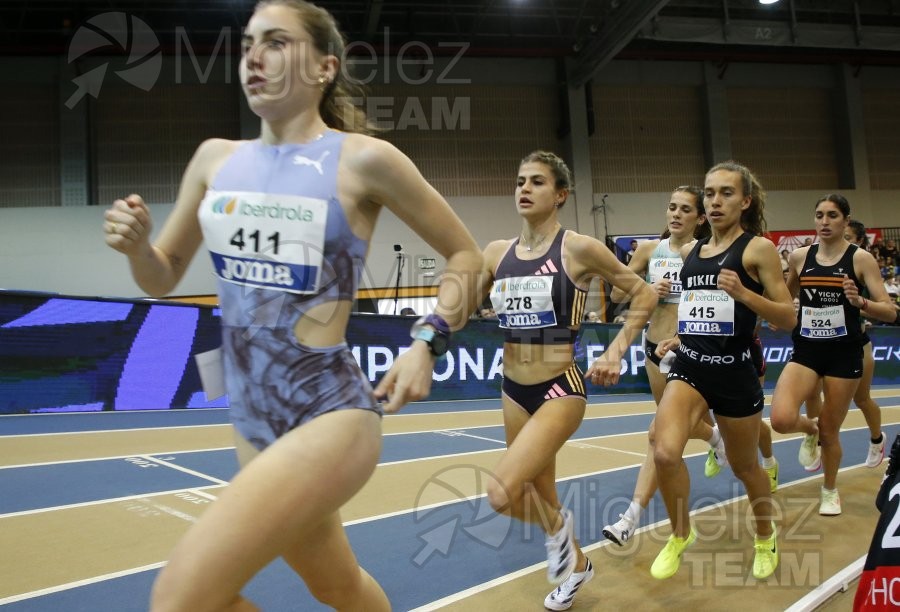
(439, 344)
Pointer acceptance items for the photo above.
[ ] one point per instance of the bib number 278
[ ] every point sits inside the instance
(517, 303)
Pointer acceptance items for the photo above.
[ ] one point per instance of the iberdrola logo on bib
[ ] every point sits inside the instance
(689, 296)
(224, 205)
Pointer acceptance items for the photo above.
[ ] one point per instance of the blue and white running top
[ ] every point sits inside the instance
(666, 264)
(280, 245)
(276, 232)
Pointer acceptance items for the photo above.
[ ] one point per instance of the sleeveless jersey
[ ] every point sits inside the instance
(666, 264)
(711, 323)
(276, 232)
(535, 300)
(825, 313)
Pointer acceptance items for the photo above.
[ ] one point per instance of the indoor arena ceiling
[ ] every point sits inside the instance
(590, 32)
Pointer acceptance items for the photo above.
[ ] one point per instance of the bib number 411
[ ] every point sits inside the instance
(240, 242)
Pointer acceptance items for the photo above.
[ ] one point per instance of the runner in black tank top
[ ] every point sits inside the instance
(715, 329)
(537, 283)
(660, 262)
(726, 283)
(828, 340)
(825, 313)
(856, 234)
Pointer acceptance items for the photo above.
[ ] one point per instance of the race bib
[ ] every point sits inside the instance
(670, 270)
(825, 322)
(524, 302)
(265, 240)
(706, 312)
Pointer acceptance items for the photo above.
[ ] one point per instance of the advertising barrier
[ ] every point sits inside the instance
(60, 353)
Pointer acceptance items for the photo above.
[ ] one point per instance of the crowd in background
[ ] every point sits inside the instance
(888, 257)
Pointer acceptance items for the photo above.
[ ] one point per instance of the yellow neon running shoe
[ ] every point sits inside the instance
(773, 477)
(669, 558)
(766, 558)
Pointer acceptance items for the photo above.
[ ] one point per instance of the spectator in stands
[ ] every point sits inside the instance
(891, 254)
(630, 253)
(891, 286)
(488, 314)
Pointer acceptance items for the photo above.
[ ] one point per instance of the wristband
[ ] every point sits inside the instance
(864, 305)
(437, 322)
(431, 330)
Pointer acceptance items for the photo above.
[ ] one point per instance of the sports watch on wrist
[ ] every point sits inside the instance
(433, 331)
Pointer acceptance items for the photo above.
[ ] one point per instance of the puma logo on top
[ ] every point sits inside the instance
(302, 160)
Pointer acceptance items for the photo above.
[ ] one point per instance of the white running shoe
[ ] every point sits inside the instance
(563, 596)
(810, 455)
(715, 458)
(816, 461)
(830, 504)
(561, 557)
(620, 531)
(876, 453)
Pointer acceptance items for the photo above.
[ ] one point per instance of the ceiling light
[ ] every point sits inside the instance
(768, 1)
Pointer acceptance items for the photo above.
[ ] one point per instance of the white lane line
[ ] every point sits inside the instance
(591, 418)
(208, 496)
(79, 583)
(823, 592)
(63, 462)
(98, 502)
(461, 433)
(105, 413)
(190, 518)
(431, 606)
(110, 431)
(580, 444)
(181, 468)
(384, 464)
(586, 419)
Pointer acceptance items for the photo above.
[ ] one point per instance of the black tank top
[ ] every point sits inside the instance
(535, 300)
(710, 323)
(825, 313)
